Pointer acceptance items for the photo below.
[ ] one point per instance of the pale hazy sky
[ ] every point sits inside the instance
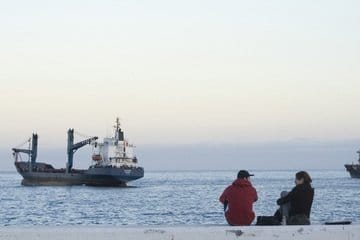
(180, 72)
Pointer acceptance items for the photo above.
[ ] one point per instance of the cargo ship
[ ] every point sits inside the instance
(354, 169)
(113, 163)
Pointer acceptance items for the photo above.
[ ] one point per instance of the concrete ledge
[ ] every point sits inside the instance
(318, 232)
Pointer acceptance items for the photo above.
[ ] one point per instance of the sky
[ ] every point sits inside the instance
(231, 80)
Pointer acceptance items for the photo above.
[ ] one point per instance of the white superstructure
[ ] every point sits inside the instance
(114, 151)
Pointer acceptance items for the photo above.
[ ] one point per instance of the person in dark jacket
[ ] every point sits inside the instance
(238, 199)
(299, 200)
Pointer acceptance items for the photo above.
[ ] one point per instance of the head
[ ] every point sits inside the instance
(243, 174)
(302, 177)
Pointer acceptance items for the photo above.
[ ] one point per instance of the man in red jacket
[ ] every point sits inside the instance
(238, 199)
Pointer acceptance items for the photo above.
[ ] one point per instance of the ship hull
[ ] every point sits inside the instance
(44, 174)
(353, 169)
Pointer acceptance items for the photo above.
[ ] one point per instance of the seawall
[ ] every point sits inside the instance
(318, 232)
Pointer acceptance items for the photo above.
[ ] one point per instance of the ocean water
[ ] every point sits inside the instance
(168, 198)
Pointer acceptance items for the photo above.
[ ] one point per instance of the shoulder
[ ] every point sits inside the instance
(253, 188)
(305, 187)
(228, 188)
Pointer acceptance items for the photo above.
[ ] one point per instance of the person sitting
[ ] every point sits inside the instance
(295, 206)
(238, 199)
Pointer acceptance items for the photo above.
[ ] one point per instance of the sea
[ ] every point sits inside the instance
(168, 198)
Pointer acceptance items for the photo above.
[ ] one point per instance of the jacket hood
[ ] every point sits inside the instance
(241, 183)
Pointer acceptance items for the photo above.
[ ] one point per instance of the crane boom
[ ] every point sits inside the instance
(71, 148)
(32, 152)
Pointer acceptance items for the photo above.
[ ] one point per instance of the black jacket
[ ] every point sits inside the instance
(300, 198)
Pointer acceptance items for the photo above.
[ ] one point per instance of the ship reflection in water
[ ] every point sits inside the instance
(114, 163)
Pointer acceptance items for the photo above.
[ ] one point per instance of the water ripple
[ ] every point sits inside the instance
(167, 198)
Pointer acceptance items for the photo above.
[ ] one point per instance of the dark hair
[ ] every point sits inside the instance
(303, 175)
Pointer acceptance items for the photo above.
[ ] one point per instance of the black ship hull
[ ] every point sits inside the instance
(353, 169)
(45, 174)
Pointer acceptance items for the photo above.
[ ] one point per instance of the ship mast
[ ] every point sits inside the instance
(72, 147)
(32, 151)
(119, 134)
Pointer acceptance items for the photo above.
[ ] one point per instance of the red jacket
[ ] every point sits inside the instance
(240, 197)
